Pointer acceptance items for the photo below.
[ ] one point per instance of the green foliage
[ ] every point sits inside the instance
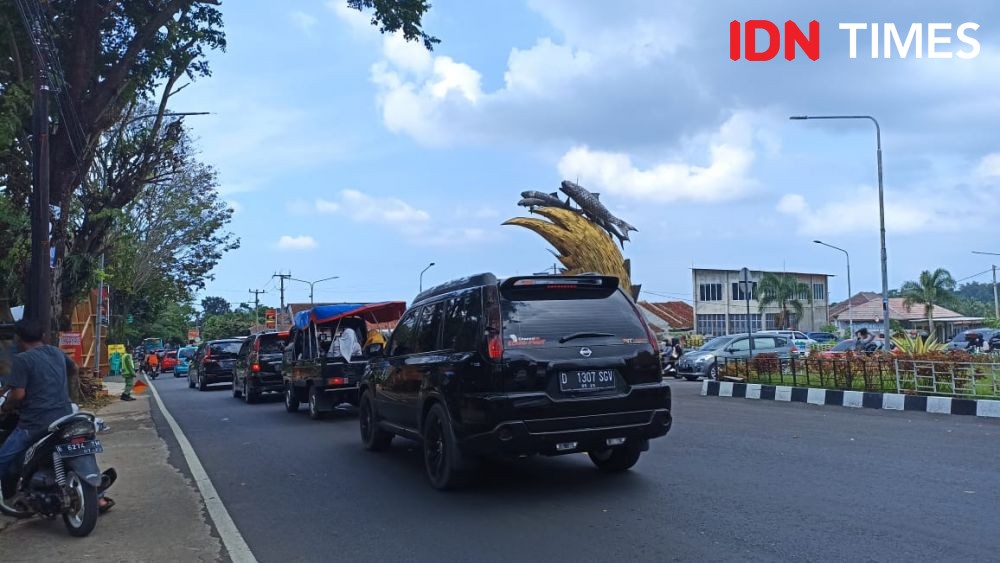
(398, 15)
(171, 324)
(782, 290)
(212, 306)
(933, 289)
(917, 346)
(234, 323)
(829, 328)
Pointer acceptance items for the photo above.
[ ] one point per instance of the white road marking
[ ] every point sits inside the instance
(237, 547)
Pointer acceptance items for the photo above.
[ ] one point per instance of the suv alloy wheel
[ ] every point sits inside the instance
(372, 437)
(442, 458)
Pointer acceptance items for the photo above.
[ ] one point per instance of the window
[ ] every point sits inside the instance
(770, 321)
(710, 292)
(740, 345)
(738, 323)
(461, 322)
(764, 343)
(740, 295)
(819, 291)
(403, 336)
(533, 319)
(802, 293)
(225, 349)
(429, 328)
(711, 325)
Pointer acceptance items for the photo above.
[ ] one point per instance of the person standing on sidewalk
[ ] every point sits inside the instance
(128, 372)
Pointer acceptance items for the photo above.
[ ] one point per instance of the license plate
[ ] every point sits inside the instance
(83, 448)
(587, 380)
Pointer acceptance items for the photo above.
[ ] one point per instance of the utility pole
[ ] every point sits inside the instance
(281, 285)
(256, 304)
(996, 295)
(39, 304)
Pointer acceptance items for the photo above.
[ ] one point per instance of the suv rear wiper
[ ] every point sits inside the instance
(569, 337)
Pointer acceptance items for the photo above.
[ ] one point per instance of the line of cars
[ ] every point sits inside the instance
(476, 368)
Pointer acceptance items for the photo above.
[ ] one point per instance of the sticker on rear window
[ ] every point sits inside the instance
(526, 341)
(635, 340)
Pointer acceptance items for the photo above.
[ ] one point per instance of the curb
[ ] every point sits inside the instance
(853, 399)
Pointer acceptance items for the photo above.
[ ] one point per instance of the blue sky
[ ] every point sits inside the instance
(348, 153)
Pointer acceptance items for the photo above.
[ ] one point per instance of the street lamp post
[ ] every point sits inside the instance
(422, 275)
(996, 296)
(881, 209)
(312, 285)
(850, 295)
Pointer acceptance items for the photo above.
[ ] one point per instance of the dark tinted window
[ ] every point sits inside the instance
(429, 327)
(225, 348)
(403, 336)
(844, 346)
(461, 322)
(541, 318)
(271, 344)
(187, 352)
(171, 355)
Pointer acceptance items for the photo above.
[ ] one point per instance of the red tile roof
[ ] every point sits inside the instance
(678, 314)
(867, 306)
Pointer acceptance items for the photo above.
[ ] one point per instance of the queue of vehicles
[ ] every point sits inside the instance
(475, 368)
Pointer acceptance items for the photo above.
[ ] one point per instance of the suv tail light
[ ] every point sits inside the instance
(255, 368)
(494, 327)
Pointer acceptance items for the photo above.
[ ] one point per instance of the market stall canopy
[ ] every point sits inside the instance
(384, 312)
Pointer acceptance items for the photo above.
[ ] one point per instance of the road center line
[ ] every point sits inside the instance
(237, 547)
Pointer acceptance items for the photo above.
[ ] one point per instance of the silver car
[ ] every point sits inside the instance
(704, 362)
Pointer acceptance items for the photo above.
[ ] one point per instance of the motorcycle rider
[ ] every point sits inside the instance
(39, 383)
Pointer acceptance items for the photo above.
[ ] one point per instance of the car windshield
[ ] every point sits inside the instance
(960, 337)
(843, 346)
(716, 343)
(186, 353)
(224, 348)
(547, 322)
(171, 355)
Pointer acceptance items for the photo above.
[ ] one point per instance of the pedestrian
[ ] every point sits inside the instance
(862, 339)
(128, 372)
(38, 389)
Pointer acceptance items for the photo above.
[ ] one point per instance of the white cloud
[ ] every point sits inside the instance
(325, 206)
(383, 210)
(856, 212)
(303, 242)
(724, 177)
(356, 20)
(305, 22)
(989, 166)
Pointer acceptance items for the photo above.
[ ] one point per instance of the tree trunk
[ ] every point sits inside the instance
(930, 325)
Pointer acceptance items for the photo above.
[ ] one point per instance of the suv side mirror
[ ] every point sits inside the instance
(376, 350)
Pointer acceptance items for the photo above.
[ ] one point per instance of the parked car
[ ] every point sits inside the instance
(704, 362)
(822, 337)
(545, 365)
(213, 363)
(169, 361)
(184, 356)
(318, 369)
(800, 341)
(961, 340)
(845, 346)
(258, 366)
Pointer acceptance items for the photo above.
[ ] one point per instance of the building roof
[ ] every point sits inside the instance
(676, 315)
(762, 271)
(867, 306)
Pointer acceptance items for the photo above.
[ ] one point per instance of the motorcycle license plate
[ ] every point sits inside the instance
(89, 447)
(590, 380)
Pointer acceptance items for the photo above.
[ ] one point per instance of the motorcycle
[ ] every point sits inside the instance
(59, 474)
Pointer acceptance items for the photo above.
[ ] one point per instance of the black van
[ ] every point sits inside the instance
(532, 365)
(258, 366)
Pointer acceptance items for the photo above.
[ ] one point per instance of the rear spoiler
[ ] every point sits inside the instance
(541, 283)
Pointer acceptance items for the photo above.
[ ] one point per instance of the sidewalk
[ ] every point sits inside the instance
(159, 515)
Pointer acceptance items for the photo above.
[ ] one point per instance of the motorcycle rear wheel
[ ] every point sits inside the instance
(82, 515)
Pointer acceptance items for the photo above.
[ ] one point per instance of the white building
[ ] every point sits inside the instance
(720, 306)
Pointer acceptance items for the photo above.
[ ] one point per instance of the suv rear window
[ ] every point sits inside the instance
(542, 318)
(225, 348)
(187, 352)
(271, 344)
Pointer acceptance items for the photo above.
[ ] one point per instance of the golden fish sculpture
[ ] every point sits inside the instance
(581, 245)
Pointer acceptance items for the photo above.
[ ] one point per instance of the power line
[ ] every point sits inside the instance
(974, 275)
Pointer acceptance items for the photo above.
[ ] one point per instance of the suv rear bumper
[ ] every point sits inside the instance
(557, 436)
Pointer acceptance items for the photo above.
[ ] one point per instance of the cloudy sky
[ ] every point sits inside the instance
(348, 153)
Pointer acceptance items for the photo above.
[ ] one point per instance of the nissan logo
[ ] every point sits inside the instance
(585, 352)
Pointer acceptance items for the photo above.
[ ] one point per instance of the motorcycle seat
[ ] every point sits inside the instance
(82, 415)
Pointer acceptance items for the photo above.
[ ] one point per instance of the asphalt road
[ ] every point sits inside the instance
(734, 479)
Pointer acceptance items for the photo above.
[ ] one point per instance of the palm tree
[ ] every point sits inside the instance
(934, 288)
(783, 291)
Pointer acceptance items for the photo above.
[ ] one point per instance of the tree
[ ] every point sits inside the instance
(785, 292)
(932, 289)
(214, 306)
(234, 323)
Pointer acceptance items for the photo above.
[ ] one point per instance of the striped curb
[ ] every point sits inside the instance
(852, 399)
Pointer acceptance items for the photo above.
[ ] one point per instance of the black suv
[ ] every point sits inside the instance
(258, 366)
(533, 365)
(213, 363)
